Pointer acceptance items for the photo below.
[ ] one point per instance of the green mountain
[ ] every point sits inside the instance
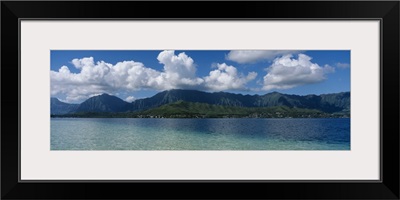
(103, 103)
(58, 107)
(327, 103)
(218, 104)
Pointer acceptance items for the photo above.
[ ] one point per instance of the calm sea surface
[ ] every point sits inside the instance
(199, 134)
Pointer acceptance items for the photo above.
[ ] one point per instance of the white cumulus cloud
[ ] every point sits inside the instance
(180, 64)
(287, 72)
(253, 56)
(130, 99)
(226, 77)
(100, 77)
(179, 72)
(79, 63)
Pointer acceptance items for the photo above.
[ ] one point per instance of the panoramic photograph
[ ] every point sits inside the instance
(232, 100)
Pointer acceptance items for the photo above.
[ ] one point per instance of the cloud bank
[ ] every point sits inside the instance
(179, 71)
(287, 72)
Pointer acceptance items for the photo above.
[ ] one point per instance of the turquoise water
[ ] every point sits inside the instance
(199, 134)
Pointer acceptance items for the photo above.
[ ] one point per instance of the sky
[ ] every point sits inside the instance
(76, 75)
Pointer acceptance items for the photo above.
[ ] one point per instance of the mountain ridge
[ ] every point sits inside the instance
(59, 107)
(329, 103)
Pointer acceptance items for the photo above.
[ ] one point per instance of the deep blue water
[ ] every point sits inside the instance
(199, 134)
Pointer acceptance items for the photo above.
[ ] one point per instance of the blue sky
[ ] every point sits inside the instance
(133, 74)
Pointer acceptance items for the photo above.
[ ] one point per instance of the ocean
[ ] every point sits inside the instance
(200, 134)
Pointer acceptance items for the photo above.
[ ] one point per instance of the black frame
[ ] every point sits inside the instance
(386, 11)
